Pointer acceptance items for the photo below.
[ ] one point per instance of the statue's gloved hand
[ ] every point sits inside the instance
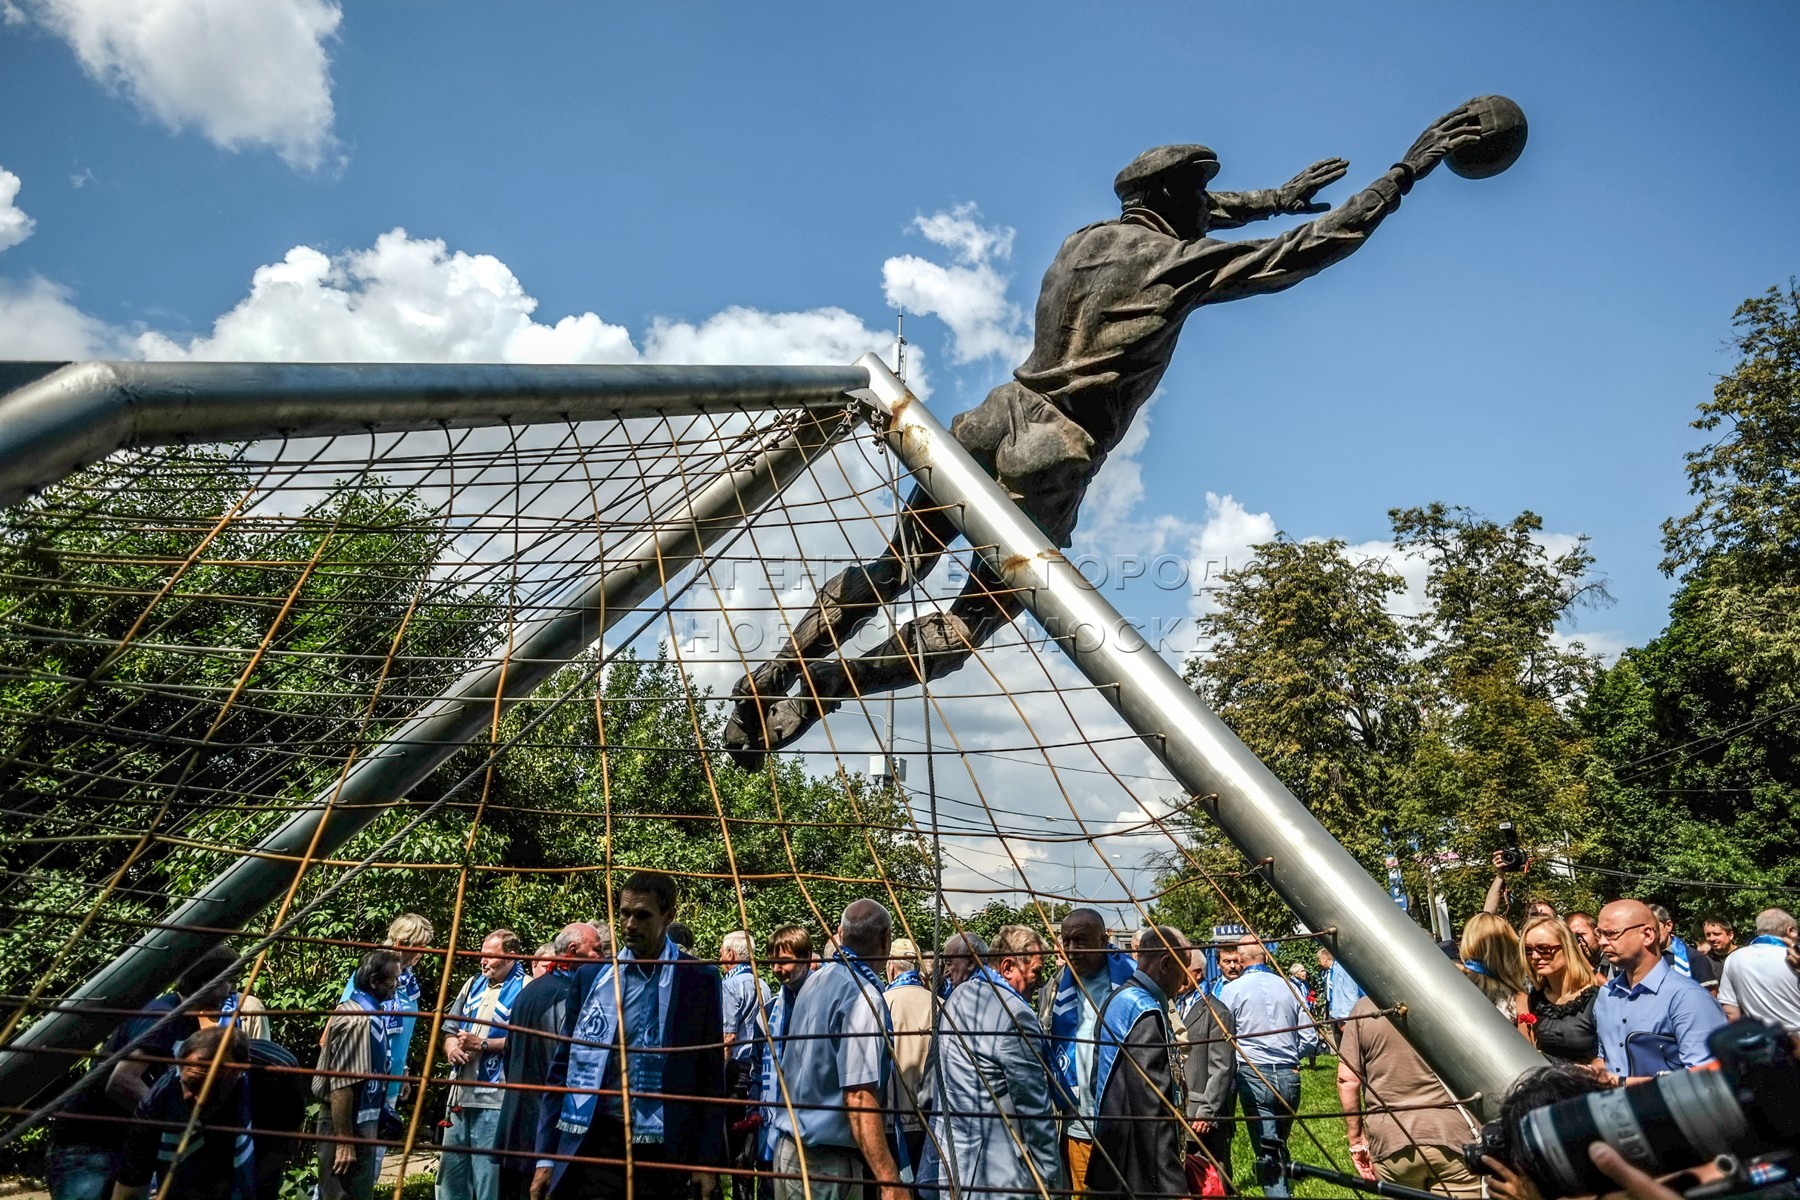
(1296, 195)
(1456, 128)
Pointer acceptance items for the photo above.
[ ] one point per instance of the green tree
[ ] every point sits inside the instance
(1702, 725)
(1309, 666)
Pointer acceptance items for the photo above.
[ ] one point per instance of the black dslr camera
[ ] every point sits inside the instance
(1512, 857)
(1746, 1109)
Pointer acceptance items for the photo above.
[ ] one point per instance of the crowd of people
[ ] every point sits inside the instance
(791, 1068)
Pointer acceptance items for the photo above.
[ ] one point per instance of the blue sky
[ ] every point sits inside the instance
(716, 182)
(1538, 340)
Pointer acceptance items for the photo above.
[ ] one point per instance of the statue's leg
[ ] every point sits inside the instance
(844, 604)
(929, 647)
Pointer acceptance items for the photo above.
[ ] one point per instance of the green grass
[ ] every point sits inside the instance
(1319, 1141)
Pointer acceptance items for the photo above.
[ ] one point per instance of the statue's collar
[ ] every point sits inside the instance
(1148, 218)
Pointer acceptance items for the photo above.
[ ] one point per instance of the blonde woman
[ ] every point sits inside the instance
(1563, 988)
(1491, 957)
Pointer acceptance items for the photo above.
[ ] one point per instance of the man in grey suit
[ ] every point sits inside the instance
(1210, 1074)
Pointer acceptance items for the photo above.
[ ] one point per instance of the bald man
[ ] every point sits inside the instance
(538, 1017)
(835, 1063)
(1650, 1017)
(1140, 1129)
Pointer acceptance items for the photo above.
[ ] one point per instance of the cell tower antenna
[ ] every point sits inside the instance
(900, 346)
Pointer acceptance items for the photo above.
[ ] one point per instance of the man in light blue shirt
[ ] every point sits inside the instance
(1341, 991)
(836, 1063)
(1274, 1032)
(743, 997)
(1650, 1018)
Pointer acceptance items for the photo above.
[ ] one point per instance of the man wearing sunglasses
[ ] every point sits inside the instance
(1650, 1018)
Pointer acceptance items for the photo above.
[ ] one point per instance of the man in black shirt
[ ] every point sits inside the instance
(212, 1156)
(85, 1137)
(541, 1008)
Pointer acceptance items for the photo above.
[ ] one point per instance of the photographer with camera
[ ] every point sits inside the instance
(1650, 1017)
(1512, 859)
(1728, 1130)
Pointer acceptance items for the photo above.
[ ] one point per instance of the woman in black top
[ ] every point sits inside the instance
(1562, 993)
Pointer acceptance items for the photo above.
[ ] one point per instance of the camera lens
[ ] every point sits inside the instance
(1679, 1121)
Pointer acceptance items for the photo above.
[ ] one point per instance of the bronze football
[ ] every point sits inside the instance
(1502, 140)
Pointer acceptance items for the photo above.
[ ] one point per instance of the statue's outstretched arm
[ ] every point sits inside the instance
(1212, 272)
(1233, 209)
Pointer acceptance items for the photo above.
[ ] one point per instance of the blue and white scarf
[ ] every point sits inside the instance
(371, 1093)
(1767, 939)
(490, 1068)
(168, 1105)
(1065, 1019)
(1678, 956)
(597, 1033)
(907, 978)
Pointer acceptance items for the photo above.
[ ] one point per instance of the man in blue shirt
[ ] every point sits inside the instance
(1341, 991)
(475, 1038)
(744, 997)
(1650, 1017)
(831, 1132)
(1274, 1032)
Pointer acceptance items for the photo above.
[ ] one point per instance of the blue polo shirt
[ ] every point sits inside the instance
(1676, 1011)
(1341, 992)
(1273, 1030)
(836, 1039)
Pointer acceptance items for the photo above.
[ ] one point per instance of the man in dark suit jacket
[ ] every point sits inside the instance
(646, 1023)
(539, 1014)
(1209, 1073)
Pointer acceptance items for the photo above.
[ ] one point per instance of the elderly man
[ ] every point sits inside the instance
(214, 1165)
(836, 1063)
(1111, 307)
(744, 997)
(539, 1014)
(642, 1111)
(1758, 981)
(1650, 1018)
(1274, 1032)
(475, 1045)
(994, 1129)
(1209, 1072)
(1092, 968)
(354, 1050)
(912, 1007)
(1139, 1126)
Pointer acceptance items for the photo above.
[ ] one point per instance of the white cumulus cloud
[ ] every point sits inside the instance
(15, 226)
(38, 320)
(970, 294)
(245, 73)
(410, 299)
(404, 299)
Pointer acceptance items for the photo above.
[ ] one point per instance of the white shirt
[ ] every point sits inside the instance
(1758, 981)
(1087, 1105)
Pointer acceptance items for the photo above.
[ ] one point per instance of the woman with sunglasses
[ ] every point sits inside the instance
(1563, 988)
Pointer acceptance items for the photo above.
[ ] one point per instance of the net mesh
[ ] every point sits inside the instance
(196, 643)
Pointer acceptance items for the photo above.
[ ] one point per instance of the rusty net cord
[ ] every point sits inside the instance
(178, 742)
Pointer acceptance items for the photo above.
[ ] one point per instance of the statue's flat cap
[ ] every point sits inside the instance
(1151, 165)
